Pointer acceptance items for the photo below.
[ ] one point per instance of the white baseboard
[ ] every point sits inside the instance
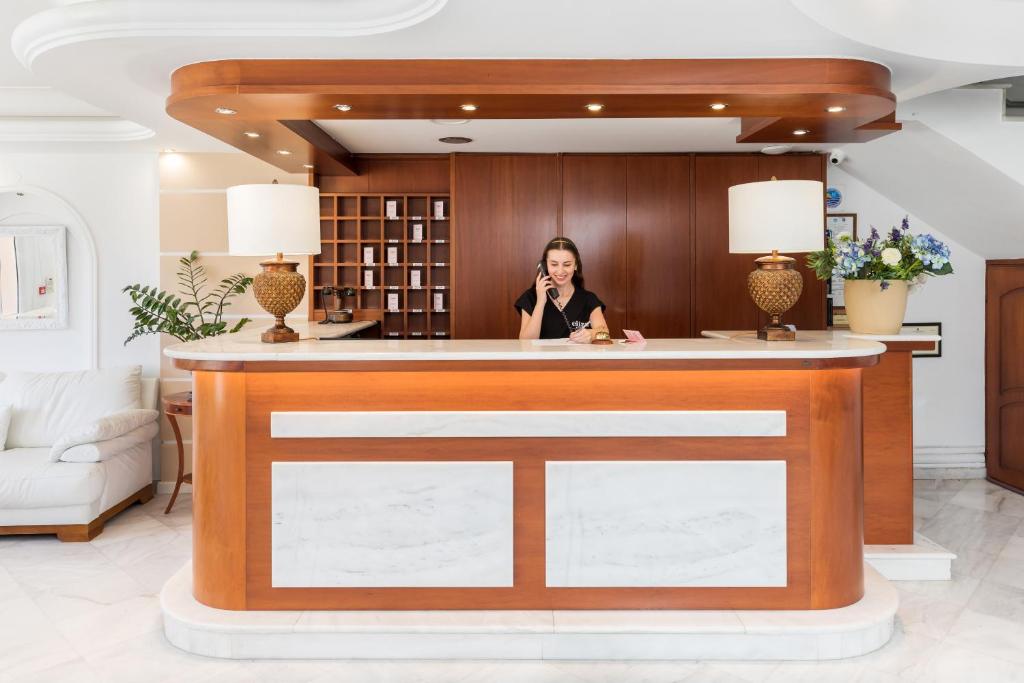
(949, 462)
(925, 560)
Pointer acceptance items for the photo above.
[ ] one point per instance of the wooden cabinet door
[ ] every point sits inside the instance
(1004, 372)
(721, 300)
(594, 217)
(809, 311)
(505, 211)
(658, 254)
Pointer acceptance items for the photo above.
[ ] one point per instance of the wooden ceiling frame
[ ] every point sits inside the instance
(276, 102)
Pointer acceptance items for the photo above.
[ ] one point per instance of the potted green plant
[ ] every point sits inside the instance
(878, 273)
(195, 314)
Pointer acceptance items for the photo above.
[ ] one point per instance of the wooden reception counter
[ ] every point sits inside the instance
(507, 475)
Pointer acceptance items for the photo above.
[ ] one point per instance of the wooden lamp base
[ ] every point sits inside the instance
(775, 287)
(279, 289)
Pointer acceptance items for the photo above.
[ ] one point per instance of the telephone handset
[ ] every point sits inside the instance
(542, 268)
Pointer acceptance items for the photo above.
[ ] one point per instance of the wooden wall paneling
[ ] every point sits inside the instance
(659, 258)
(809, 311)
(507, 210)
(394, 174)
(594, 217)
(721, 298)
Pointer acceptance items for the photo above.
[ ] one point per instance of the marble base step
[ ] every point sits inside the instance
(618, 635)
(923, 561)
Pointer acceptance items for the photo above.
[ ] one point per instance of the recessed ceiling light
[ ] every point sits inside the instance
(343, 107)
(801, 131)
(283, 152)
(225, 111)
(308, 166)
(468, 107)
(251, 134)
(167, 150)
(835, 109)
(719, 106)
(595, 107)
(449, 122)
(455, 140)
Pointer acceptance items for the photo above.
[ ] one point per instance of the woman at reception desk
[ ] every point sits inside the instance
(506, 475)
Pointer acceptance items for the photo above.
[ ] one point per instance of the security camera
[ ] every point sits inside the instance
(836, 157)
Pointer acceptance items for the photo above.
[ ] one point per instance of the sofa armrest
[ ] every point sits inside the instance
(98, 451)
(104, 429)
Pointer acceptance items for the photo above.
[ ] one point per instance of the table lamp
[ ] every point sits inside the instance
(776, 216)
(275, 219)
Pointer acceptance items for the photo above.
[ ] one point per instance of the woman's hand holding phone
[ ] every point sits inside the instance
(543, 285)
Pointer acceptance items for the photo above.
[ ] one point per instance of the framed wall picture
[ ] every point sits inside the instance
(925, 328)
(836, 223)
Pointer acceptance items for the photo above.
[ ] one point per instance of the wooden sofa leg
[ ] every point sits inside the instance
(79, 533)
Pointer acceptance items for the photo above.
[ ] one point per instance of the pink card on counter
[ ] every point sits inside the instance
(633, 336)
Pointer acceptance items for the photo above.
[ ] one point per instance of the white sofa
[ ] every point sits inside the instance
(77, 449)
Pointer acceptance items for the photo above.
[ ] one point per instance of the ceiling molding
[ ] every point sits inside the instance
(43, 101)
(119, 19)
(67, 129)
(773, 97)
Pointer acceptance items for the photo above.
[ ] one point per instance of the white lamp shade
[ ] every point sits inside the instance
(270, 219)
(787, 215)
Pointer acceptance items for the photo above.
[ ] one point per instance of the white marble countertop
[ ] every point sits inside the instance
(246, 346)
(745, 336)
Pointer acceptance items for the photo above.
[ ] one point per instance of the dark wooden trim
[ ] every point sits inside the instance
(78, 533)
(324, 143)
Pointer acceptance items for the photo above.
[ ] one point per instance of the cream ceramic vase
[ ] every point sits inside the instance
(873, 310)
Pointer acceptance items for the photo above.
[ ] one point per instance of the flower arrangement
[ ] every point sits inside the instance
(896, 256)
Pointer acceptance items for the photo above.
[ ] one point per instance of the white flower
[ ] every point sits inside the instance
(844, 237)
(891, 256)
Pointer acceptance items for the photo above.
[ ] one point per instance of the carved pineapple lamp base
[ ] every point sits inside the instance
(775, 287)
(279, 289)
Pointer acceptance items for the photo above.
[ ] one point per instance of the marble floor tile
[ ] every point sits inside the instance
(958, 528)
(992, 636)
(952, 664)
(979, 494)
(927, 616)
(86, 612)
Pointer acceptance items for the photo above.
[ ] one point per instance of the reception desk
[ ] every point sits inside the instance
(506, 475)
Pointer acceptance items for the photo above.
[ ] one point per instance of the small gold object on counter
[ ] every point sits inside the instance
(601, 337)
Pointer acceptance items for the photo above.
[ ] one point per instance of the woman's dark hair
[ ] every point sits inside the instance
(566, 244)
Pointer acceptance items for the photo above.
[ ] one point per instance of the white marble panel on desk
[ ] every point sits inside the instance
(391, 524)
(666, 523)
(531, 423)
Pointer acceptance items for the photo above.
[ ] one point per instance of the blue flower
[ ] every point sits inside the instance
(850, 258)
(932, 253)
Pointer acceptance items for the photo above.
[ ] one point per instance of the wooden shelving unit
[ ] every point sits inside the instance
(352, 223)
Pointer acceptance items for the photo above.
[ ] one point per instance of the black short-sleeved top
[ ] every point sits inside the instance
(581, 304)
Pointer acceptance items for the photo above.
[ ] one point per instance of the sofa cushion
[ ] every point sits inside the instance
(5, 423)
(103, 429)
(48, 405)
(29, 480)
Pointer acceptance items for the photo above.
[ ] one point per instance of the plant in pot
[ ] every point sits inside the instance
(195, 314)
(879, 272)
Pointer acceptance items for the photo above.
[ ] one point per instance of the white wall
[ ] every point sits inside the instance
(949, 398)
(117, 197)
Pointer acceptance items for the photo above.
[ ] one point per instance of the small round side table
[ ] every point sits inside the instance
(174, 405)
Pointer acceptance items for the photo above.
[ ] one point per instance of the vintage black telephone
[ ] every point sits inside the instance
(542, 268)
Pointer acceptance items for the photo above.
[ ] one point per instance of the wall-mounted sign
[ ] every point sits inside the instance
(833, 198)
